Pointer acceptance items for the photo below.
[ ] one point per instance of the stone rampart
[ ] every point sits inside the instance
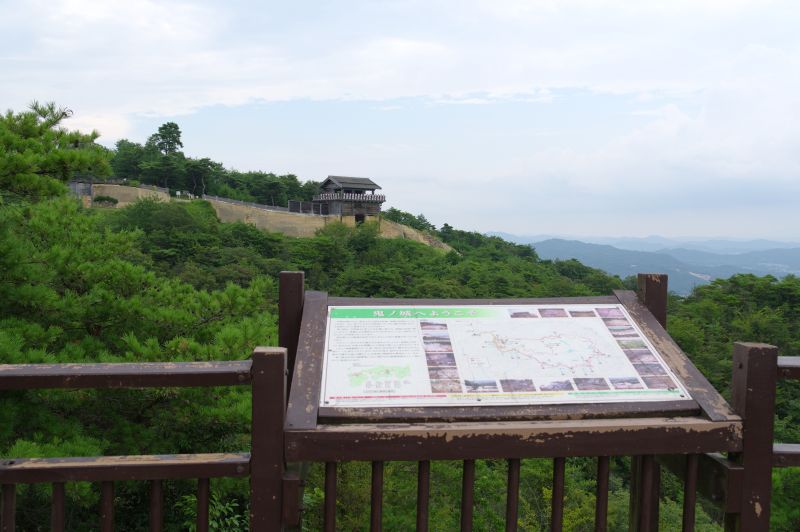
(288, 223)
(305, 225)
(127, 195)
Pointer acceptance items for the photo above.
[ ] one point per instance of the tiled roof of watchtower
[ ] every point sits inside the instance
(351, 182)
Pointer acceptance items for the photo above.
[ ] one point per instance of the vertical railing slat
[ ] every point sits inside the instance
(423, 494)
(156, 505)
(8, 519)
(634, 493)
(648, 488)
(106, 507)
(601, 497)
(330, 497)
(512, 495)
(467, 495)
(203, 496)
(376, 499)
(557, 505)
(57, 508)
(690, 492)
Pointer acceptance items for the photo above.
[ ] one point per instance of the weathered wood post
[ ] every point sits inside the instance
(268, 374)
(755, 370)
(645, 489)
(291, 295)
(291, 300)
(8, 517)
(653, 292)
(106, 507)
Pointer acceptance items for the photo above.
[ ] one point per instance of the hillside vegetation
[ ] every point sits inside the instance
(167, 281)
(159, 161)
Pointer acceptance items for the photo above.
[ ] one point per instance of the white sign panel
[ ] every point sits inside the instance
(499, 355)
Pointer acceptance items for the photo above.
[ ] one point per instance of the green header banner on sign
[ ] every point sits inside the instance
(414, 313)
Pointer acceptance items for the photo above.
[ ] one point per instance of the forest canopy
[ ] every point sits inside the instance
(160, 162)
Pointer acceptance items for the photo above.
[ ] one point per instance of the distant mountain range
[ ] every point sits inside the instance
(687, 262)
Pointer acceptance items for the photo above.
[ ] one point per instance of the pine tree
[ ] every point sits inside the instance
(38, 155)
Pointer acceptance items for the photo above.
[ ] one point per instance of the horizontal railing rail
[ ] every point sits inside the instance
(787, 454)
(344, 196)
(265, 372)
(246, 203)
(789, 368)
(124, 375)
(478, 440)
(131, 467)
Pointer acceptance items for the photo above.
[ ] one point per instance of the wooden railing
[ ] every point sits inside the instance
(347, 196)
(786, 454)
(265, 373)
(314, 434)
(724, 453)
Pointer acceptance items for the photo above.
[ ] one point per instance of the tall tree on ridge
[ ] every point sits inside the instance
(168, 138)
(168, 167)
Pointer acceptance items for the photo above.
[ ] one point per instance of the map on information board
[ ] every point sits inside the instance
(498, 355)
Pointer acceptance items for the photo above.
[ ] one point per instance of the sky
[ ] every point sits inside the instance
(573, 117)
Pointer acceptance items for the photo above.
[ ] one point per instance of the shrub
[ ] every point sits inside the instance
(104, 200)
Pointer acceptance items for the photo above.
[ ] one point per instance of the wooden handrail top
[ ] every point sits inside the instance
(124, 375)
(786, 455)
(789, 367)
(111, 468)
(347, 196)
(512, 439)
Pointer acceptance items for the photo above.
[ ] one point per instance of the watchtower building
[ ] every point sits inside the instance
(349, 196)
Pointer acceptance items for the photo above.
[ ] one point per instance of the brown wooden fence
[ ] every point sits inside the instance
(265, 372)
(725, 453)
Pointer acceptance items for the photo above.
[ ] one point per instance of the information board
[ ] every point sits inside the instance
(499, 355)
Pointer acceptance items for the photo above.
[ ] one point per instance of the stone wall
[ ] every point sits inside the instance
(288, 223)
(127, 195)
(305, 225)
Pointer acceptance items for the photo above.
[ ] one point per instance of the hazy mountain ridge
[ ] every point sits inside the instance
(776, 261)
(686, 266)
(656, 243)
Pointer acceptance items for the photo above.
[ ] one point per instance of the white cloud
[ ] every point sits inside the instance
(168, 57)
(716, 83)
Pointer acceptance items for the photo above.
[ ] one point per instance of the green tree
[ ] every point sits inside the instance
(162, 163)
(127, 158)
(417, 222)
(168, 171)
(167, 139)
(38, 155)
(201, 173)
